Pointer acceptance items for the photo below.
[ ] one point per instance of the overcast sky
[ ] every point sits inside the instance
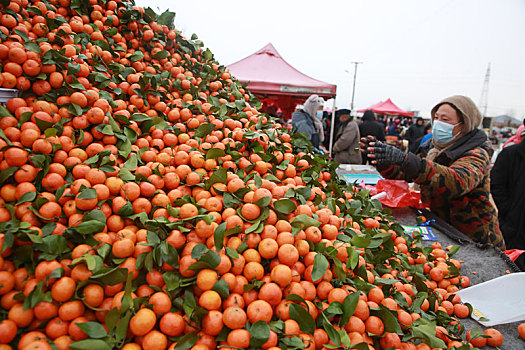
(414, 52)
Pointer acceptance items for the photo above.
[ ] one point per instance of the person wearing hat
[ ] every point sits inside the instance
(452, 169)
(306, 120)
(346, 139)
(507, 185)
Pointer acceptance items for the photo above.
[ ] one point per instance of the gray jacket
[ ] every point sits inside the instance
(304, 123)
(346, 142)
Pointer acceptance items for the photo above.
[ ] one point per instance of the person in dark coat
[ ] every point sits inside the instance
(453, 169)
(346, 139)
(507, 185)
(414, 132)
(370, 127)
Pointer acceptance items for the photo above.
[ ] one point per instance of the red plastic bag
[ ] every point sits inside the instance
(513, 254)
(398, 194)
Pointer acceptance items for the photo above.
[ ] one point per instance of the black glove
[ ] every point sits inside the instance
(386, 156)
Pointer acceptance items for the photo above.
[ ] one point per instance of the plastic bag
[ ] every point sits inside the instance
(398, 194)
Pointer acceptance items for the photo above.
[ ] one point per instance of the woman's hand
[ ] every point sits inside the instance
(365, 144)
(380, 153)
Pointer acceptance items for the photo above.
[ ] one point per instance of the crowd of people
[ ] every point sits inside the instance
(449, 158)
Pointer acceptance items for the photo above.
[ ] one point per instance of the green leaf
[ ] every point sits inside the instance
(22, 34)
(232, 253)
(171, 280)
(74, 109)
(198, 251)
(110, 276)
(215, 153)
(139, 117)
(320, 266)
(32, 46)
(95, 214)
(204, 129)
(126, 175)
(7, 173)
(43, 125)
(285, 206)
(303, 317)
(390, 321)
(166, 18)
(264, 202)
(90, 227)
(222, 288)
(360, 241)
(453, 250)
(27, 197)
(90, 344)
(136, 56)
(93, 329)
(219, 176)
(334, 336)
(187, 341)
(260, 333)
(161, 55)
(88, 193)
(218, 236)
(426, 329)
(349, 305)
(303, 221)
(126, 210)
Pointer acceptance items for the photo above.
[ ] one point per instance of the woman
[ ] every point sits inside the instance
(306, 120)
(346, 139)
(452, 169)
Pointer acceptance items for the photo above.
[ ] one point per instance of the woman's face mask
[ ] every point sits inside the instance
(442, 132)
(319, 114)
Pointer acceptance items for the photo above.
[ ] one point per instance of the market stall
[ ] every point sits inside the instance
(387, 108)
(482, 263)
(277, 83)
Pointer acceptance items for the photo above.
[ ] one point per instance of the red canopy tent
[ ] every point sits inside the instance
(276, 82)
(387, 107)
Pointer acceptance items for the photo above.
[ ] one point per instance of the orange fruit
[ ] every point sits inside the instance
(142, 322)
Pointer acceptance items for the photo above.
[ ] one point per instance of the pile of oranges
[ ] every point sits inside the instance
(147, 204)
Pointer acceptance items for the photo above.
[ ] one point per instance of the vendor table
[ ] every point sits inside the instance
(480, 262)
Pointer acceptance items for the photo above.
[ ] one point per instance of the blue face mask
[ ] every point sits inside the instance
(442, 132)
(319, 114)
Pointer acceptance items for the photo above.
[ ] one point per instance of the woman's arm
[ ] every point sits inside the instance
(458, 179)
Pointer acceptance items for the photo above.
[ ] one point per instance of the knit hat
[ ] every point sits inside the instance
(312, 104)
(468, 112)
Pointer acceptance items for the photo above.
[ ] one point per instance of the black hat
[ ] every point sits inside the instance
(343, 111)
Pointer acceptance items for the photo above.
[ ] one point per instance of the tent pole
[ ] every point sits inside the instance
(332, 129)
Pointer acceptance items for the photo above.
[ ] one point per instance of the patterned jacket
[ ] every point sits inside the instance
(457, 185)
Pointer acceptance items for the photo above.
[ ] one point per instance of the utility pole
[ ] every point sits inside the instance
(353, 88)
(484, 100)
